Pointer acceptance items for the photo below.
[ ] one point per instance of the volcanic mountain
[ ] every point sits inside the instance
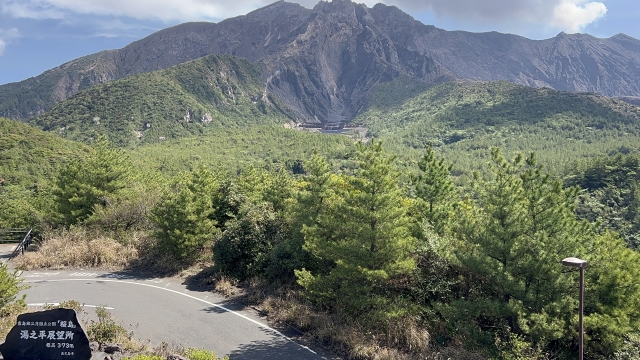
(323, 62)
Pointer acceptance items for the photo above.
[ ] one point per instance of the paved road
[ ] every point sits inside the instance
(165, 310)
(6, 250)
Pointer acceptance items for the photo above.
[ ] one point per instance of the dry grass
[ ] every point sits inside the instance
(153, 261)
(225, 287)
(77, 248)
(400, 339)
(83, 248)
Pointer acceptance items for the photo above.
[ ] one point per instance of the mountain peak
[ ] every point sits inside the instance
(336, 6)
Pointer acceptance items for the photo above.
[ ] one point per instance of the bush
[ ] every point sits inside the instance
(9, 287)
(244, 248)
(9, 307)
(105, 330)
(130, 211)
(201, 354)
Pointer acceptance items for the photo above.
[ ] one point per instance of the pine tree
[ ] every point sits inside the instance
(83, 184)
(612, 295)
(364, 232)
(311, 199)
(185, 215)
(436, 190)
(523, 226)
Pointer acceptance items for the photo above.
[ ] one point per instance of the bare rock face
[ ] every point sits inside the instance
(323, 62)
(578, 62)
(326, 71)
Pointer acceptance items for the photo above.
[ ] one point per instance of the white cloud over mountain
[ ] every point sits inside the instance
(6, 36)
(572, 17)
(565, 15)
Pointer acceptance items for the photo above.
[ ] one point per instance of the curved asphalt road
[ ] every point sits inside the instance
(165, 310)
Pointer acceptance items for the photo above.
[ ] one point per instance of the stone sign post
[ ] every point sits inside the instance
(47, 335)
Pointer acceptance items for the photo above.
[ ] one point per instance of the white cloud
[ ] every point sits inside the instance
(6, 36)
(566, 15)
(165, 10)
(32, 9)
(572, 16)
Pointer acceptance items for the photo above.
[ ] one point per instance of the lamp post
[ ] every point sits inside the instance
(581, 264)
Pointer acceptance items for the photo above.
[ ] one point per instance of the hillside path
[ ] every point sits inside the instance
(165, 310)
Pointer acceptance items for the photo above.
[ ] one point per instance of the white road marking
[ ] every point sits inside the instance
(56, 304)
(83, 274)
(40, 274)
(117, 276)
(267, 327)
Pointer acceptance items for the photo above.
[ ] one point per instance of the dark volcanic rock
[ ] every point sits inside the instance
(323, 62)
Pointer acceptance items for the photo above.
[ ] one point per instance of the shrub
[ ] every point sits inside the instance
(105, 330)
(9, 307)
(244, 248)
(201, 354)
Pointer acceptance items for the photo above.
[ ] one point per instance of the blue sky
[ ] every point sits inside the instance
(36, 35)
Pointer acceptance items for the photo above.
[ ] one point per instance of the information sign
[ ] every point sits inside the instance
(47, 335)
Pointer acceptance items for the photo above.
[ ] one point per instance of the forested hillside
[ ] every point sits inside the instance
(611, 193)
(215, 91)
(232, 149)
(29, 160)
(393, 246)
(464, 120)
(29, 156)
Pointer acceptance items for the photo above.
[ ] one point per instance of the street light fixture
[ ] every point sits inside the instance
(581, 264)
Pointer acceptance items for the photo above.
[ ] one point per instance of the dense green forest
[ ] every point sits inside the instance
(29, 155)
(480, 269)
(465, 120)
(398, 234)
(233, 149)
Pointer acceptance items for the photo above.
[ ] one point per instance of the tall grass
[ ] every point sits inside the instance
(79, 248)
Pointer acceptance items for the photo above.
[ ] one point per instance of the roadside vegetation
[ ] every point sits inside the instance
(10, 304)
(399, 251)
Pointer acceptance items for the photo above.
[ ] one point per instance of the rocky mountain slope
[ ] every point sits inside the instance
(323, 62)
